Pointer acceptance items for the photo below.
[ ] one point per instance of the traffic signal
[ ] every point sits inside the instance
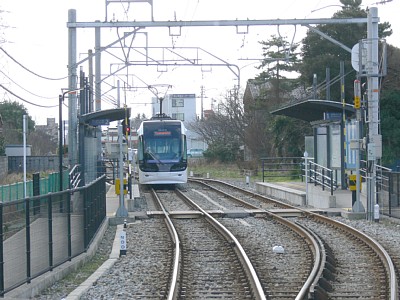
(357, 102)
(357, 94)
(126, 127)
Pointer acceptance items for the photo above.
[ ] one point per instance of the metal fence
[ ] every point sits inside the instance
(43, 232)
(387, 189)
(394, 195)
(388, 192)
(50, 184)
(282, 167)
(294, 168)
(33, 163)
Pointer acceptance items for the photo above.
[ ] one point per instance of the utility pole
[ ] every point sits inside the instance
(121, 211)
(72, 81)
(201, 102)
(357, 206)
(374, 146)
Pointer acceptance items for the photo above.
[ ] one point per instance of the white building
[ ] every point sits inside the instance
(181, 107)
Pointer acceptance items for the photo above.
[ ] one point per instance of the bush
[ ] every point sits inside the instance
(221, 153)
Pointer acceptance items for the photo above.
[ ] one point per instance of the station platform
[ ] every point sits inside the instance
(338, 202)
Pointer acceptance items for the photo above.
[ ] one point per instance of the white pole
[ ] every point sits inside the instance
(121, 211)
(24, 141)
(374, 142)
(306, 171)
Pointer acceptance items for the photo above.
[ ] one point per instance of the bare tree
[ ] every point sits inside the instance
(42, 143)
(223, 130)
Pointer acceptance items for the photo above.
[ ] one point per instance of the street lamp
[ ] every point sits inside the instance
(60, 134)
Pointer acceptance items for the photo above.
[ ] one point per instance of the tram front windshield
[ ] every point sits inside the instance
(162, 142)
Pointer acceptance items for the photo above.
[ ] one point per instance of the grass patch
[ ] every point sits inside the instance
(218, 170)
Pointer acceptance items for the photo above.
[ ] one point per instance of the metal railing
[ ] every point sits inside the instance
(320, 175)
(281, 167)
(294, 168)
(387, 189)
(382, 175)
(393, 201)
(42, 232)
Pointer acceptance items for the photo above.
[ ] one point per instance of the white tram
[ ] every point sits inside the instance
(161, 154)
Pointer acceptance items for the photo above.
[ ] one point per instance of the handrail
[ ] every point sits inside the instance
(382, 179)
(320, 175)
(295, 166)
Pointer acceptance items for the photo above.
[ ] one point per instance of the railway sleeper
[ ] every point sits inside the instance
(356, 294)
(320, 293)
(329, 272)
(324, 284)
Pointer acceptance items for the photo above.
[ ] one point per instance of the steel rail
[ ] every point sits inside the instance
(250, 193)
(311, 288)
(379, 250)
(309, 239)
(254, 280)
(173, 288)
(374, 245)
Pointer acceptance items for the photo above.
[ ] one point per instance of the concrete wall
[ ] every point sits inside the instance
(33, 163)
(18, 150)
(275, 191)
(317, 198)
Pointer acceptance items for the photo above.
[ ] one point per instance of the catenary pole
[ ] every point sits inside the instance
(374, 147)
(72, 81)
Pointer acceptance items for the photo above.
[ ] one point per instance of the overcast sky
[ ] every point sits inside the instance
(36, 36)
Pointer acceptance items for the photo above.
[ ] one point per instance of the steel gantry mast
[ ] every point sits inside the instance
(73, 25)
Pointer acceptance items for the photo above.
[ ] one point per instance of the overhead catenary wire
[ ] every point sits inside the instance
(32, 72)
(9, 78)
(24, 100)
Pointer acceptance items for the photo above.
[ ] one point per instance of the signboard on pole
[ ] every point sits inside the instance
(122, 243)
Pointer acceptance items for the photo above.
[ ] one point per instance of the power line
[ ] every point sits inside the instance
(24, 100)
(382, 2)
(25, 68)
(24, 88)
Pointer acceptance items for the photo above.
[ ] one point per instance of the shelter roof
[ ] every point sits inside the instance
(312, 110)
(105, 116)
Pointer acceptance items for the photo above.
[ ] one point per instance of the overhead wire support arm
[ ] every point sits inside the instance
(111, 44)
(213, 23)
(328, 38)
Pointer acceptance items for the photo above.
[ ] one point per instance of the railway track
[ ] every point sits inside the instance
(212, 262)
(359, 265)
(197, 263)
(285, 275)
(388, 235)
